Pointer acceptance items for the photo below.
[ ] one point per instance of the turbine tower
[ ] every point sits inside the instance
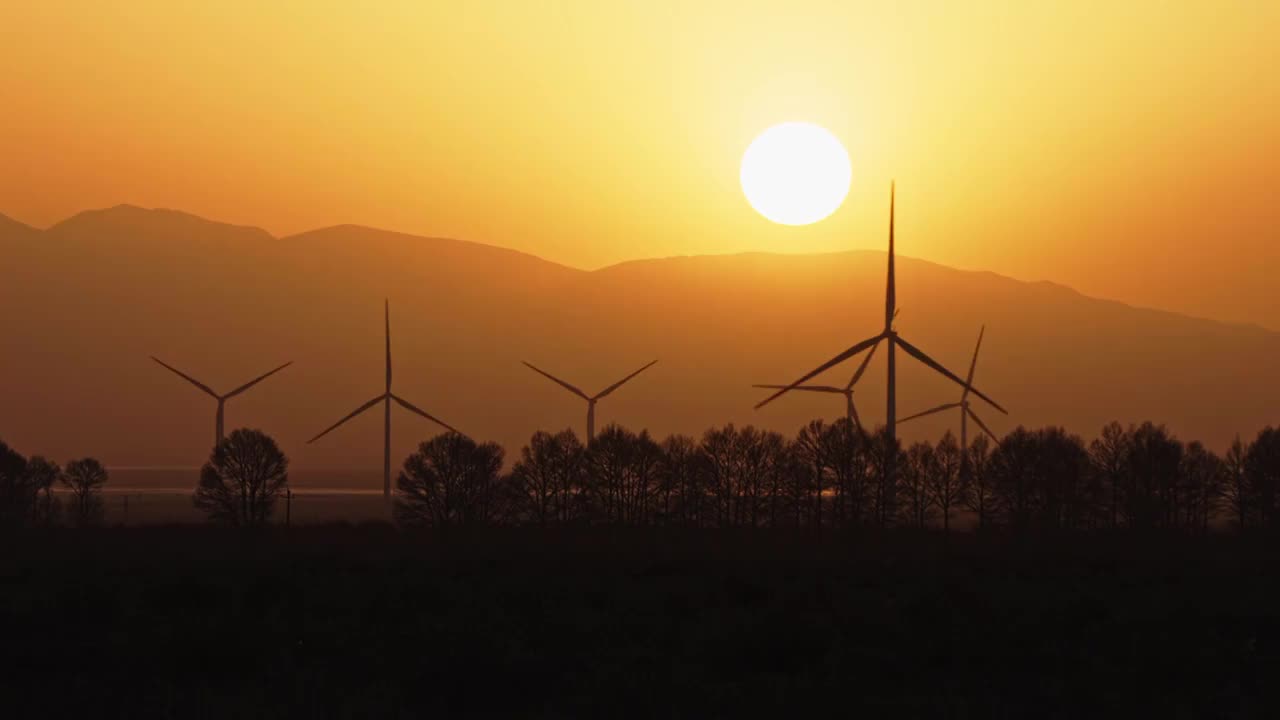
(385, 398)
(891, 338)
(222, 399)
(850, 410)
(591, 399)
(966, 411)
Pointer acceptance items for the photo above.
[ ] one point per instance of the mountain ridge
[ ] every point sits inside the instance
(132, 212)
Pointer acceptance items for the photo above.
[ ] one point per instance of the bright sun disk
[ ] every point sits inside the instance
(795, 173)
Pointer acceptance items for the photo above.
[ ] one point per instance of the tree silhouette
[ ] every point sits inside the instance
(1109, 455)
(845, 449)
(812, 466)
(761, 461)
(915, 502)
(547, 481)
(947, 486)
(1064, 475)
(17, 496)
(884, 454)
(1153, 462)
(623, 474)
(246, 473)
(719, 452)
(449, 481)
(42, 475)
(1262, 470)
(742, 471)
(682, 479)
(85, 478)
(980, 493)
(1203, 476)
(1236, 488)
(1037, 477)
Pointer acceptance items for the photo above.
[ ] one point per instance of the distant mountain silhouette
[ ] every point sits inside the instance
(104, 290)
(11, 229)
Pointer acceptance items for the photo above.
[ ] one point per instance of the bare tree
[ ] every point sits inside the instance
(42, 475)
(813, 466)
(885, 454)
(449, 481)
(1109, 456)
(681, 477)
(245, 475)
(913, 487)
(17, 496)
(1154, 458)
(947, 486)
(547, 480)
(1236, 482)
(1202, 476)
(718, 449)
(85, 478)
(980, 495)
(847, 454)
(623, 473)
(1262, 468)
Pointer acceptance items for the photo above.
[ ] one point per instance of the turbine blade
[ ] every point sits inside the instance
(853, 409)
(930, 411)
(890, 289)
(973, 363)
(918, 354)
(823, 367)
(352, 414)
(186, 377)
(255, 381)
(983, 425)
(558, 381)
(805, 388)
(618, 384)
(386, 314)
(862, 368)
(415, 409)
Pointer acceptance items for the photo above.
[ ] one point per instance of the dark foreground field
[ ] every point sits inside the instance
(366, 622)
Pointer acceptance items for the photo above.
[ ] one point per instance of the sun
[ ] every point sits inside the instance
(795, 173)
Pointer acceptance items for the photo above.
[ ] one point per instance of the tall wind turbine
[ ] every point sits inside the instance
(385, 398)
(890, 337)
(850, 410)
(222, 399)
(966, 411)
(591, 399)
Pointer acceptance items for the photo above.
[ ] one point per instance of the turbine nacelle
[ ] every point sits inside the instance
(591, 399)
(223, 398)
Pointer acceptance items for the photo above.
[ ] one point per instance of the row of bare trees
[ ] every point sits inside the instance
(832, 475)
(26, 490)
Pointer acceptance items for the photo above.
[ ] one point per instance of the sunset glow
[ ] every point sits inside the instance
(1027, 137)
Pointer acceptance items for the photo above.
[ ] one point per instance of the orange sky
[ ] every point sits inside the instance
(1129, 151)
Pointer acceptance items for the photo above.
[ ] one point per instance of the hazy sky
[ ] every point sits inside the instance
(1128, 149)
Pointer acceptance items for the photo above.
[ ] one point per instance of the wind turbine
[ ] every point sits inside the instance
(889, 336)
(591, 399)
(222, 399)
(850, 410)
(966, 411)
(385, 398)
